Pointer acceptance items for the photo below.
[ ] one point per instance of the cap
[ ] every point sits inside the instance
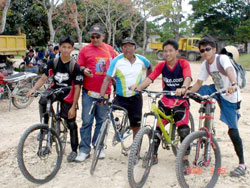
(128, 40)
(97, 29)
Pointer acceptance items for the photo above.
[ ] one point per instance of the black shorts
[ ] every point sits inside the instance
(177, 111)
(134, 107)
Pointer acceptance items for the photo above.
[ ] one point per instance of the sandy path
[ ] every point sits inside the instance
(112, 172)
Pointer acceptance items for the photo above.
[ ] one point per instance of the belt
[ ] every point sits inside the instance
(95, 95)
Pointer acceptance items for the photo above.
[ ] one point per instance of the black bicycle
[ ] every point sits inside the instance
(123, 132)
(203, 166)
(41, 147)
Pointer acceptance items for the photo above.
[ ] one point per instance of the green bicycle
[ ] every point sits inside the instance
(141, 152)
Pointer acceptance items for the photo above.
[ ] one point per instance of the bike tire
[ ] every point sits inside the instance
(133, 157)
(175, 148)
(99, 145)
(182, 152)
(20, 152)
(22, 91)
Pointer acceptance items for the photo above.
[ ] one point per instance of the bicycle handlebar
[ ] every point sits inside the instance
(198, 98)
(53, 92)
(157, 94)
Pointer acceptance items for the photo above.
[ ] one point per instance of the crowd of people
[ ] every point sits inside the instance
(35, 57)
(99, 64)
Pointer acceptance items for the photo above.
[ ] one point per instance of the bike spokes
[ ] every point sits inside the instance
(201, 167)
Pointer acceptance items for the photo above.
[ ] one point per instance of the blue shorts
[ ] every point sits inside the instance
(229, 111)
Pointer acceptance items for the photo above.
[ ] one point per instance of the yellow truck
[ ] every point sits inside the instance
(12, 45)
(188, 48)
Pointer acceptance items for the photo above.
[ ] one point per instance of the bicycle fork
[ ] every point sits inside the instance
(209, 118)
(153, 129)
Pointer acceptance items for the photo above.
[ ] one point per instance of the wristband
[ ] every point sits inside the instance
(234, 83)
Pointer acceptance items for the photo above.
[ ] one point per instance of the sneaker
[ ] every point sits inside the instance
(239, 171)
(81, 157)
(72, 156)
(102, 154)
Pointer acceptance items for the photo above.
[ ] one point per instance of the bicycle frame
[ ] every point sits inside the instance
(110, 115)
(157, 113)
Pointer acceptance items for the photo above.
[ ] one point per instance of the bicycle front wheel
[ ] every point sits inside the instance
(99, 145)
(39, 154)
(203, 168)
(140, 158)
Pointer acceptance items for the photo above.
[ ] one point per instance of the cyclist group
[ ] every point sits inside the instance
(99, 64)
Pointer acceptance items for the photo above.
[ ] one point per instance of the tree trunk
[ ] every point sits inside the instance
(78, 30)
(4, 14)
(144, 36)
(113, 33)
(51, 28)
(132, 32)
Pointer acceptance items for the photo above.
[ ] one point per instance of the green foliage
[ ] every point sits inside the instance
(151, 56)
(32, 20)
(220, 18)
(245, 61)
(242, 33)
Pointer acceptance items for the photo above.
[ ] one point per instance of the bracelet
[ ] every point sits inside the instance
(234, 83)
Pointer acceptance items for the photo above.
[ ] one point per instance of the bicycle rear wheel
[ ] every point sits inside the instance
(177, 142)
(198, 173)
(99, 145)
(38, 160)
(140, 158)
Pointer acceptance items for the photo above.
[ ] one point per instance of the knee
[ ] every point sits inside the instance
(183, 131)
(233, 133)
(71, 125)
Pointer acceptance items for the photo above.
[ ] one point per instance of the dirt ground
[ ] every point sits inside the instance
(112, 172)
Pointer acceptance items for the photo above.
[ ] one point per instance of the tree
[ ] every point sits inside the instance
(219, 18)
(49, 7)
(5, 4)
(32, 20)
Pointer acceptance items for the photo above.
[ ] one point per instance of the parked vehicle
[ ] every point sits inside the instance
(15, 88)
(188, 48)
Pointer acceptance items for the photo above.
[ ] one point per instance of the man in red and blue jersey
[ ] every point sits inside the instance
(176, 76)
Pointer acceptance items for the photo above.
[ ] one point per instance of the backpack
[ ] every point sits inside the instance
(240, 71)
(71, 65)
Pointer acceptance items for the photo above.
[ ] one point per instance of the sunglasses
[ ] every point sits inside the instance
(95, 37)
(205, 49)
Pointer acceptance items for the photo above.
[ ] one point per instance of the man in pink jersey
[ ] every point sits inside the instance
(176, 76)
(94, 60)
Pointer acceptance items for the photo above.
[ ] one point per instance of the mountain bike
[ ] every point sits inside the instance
(41, 147)
(123, 132)
(141, 152)
(204, 160)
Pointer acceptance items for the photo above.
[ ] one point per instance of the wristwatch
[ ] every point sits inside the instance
(234, 83)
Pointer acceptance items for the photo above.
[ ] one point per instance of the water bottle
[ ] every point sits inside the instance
(117, 123)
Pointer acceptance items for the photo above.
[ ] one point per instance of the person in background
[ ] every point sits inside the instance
(30, 62)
